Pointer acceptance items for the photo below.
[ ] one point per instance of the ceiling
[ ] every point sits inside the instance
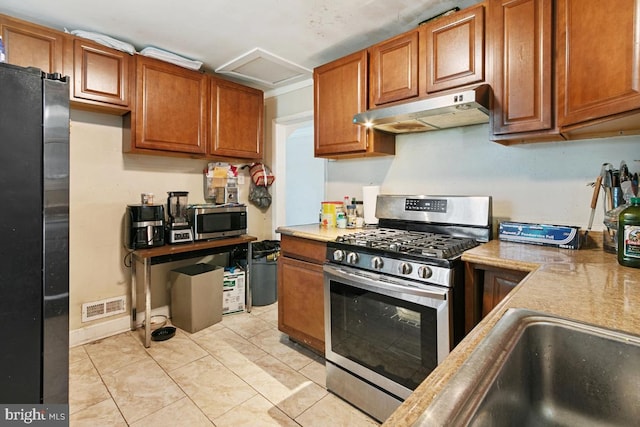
(305, 33)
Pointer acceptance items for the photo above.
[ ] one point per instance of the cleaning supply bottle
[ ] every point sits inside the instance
(629, 234)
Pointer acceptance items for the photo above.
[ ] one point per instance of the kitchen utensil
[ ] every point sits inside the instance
(624, 172)
(607, 184)
(594, 202)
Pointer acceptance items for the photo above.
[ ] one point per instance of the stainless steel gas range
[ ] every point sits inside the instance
(394, 297)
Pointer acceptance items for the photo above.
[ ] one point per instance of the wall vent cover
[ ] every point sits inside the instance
(104, 308)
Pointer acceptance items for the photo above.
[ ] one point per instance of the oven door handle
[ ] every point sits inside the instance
(379, 282)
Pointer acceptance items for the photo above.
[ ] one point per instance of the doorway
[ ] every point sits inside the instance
(300, 183)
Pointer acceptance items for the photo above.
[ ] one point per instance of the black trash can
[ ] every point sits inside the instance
(264, 272)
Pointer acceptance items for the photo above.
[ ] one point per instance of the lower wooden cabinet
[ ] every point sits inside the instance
(497, 284)
(485, 286)
(300, 291)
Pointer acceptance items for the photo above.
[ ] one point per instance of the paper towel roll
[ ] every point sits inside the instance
(369, 197)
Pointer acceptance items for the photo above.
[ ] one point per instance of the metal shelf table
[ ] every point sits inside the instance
(169, 253)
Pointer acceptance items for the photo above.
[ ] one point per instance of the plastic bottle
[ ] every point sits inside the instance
(629, 235)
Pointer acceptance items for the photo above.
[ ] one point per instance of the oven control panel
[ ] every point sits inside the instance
(426, 205)
(406, 269)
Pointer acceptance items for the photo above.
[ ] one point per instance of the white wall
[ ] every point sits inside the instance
(544, 182)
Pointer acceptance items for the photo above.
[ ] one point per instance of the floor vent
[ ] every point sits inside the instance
(106, 307)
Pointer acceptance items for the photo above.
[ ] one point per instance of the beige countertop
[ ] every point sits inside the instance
(316, 231)
(587, 285)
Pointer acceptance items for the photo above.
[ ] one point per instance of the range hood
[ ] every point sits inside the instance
(454, 109)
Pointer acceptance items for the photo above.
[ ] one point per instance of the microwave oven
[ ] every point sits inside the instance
(209, 221)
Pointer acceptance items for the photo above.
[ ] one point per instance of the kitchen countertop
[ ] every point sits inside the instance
(587, 285)
(316, 231)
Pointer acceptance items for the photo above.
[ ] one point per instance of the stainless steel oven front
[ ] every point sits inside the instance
(383, 336)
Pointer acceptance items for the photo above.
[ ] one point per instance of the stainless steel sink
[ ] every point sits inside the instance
(534, 369)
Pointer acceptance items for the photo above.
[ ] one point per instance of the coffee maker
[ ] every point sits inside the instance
(178, 228)
(144, 226)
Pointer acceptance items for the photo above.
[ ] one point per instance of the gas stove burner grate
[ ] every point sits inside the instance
(420, 244)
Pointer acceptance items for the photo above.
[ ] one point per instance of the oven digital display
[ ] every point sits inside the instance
(426, 205)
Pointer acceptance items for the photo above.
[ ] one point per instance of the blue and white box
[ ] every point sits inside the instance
(560, 236)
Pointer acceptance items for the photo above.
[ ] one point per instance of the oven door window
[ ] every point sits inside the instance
(395, 338)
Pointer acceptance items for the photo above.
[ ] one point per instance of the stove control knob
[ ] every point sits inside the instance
(405, 268)
(352, 258)
(424, 272)
(377, 263)
(338, 255)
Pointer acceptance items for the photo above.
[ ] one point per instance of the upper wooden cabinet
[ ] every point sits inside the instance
(340, 92)
(520, 34)
(443, 54)
(235, 120)
(393, 69)
(452, 50)
(100, 76)
(30, 45)
(598, 59)
(171, 110)
(181, 112)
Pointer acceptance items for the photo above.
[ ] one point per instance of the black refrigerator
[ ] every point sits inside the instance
(34, 236)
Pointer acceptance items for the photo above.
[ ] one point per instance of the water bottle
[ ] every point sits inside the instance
(629, 235)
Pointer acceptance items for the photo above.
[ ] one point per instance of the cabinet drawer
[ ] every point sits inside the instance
(304, 249)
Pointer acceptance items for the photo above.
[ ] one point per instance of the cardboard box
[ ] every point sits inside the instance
(560, 236)
(233, 298)
(196, 296)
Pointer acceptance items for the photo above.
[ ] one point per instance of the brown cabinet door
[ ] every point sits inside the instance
(452, 51)
(100, 74)
(521, 46)
(598, 59)
(235, 123)
(171, 107)
(301, 301)
(393, 69)
(30, 45)
(497, 284)
(340, 92)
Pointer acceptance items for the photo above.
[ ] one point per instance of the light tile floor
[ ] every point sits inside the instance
(239, 372)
